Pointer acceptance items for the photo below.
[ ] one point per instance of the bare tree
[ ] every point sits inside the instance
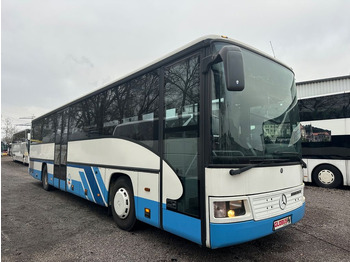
(8, 129)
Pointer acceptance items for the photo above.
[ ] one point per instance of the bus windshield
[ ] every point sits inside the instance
(260, 123)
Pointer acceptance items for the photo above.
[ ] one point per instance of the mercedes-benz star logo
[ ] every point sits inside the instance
(283, 201)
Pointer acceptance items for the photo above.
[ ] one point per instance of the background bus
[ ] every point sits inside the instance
(325, 117)
(20, 146)
(184, 144)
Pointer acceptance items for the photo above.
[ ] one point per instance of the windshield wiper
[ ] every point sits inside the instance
(303, 164)
(241, 170)
(246, 168)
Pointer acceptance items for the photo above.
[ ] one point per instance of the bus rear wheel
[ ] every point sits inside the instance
(327, 176)
(45, 179)
(122, 204)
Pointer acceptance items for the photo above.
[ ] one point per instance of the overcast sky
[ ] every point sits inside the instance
(56, 51)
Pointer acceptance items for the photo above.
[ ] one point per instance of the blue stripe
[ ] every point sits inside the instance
(56, 182)
(63, 185)
(92, 182)
(93, 185)
(101, 184)
(50, 179)
(85, 186)
(78, 189)
(222, 235)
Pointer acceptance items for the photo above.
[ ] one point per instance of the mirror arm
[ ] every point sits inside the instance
(208, 61)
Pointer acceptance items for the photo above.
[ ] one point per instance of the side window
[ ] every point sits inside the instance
(48, 130)
(86, 117)
(181, 128)
(37, 132)
(128, 111)
(133, 113)
(326, 107)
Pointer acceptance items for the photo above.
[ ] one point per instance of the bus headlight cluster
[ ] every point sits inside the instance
(230, 209)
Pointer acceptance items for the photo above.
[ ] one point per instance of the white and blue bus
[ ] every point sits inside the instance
(203, 143)
(324, 107)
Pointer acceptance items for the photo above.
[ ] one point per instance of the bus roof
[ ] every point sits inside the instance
(196, 44)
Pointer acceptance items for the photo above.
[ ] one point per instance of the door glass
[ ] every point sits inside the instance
(181, 129)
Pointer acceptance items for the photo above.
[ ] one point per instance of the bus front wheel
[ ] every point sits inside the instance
(123, 206)
(327, 176)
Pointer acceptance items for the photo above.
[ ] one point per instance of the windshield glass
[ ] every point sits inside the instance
(260, 123)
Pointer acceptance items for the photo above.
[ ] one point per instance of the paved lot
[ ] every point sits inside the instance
(56, 226)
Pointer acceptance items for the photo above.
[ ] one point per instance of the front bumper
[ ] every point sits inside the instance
(222, 235)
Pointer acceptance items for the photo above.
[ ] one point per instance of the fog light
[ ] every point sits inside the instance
(231, 213)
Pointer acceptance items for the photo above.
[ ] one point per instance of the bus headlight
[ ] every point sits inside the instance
(230, 209)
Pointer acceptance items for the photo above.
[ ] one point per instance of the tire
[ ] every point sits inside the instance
(327, 176)
(122, 204)
(45, 179)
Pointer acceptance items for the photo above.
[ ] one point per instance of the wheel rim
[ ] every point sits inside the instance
(326, 176)
(122, 203)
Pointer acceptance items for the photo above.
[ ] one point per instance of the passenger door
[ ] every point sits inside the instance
(60, 158)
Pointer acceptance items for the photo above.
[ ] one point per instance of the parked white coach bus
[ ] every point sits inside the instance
(325, 117)
(203, 143)
(20, 146)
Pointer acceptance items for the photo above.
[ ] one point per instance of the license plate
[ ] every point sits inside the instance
(282, 223)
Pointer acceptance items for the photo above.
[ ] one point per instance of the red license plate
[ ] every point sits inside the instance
(282, 222)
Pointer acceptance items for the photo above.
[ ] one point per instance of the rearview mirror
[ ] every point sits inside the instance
(233, 64)
(232, 58)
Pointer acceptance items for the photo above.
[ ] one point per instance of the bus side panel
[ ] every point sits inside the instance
(147, 197)
(182, 225)
(35, 169)
(91, 183)
(50, 173)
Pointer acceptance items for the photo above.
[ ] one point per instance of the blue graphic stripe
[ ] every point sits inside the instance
(85, 186)
(93, 185)
(101, 184)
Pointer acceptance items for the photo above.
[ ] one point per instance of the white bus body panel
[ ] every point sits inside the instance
(20, 152)
(126, 155)
(112, 152)
(257, 180)
(43, 151)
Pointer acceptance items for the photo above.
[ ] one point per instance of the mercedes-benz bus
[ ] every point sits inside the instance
(203, 143)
